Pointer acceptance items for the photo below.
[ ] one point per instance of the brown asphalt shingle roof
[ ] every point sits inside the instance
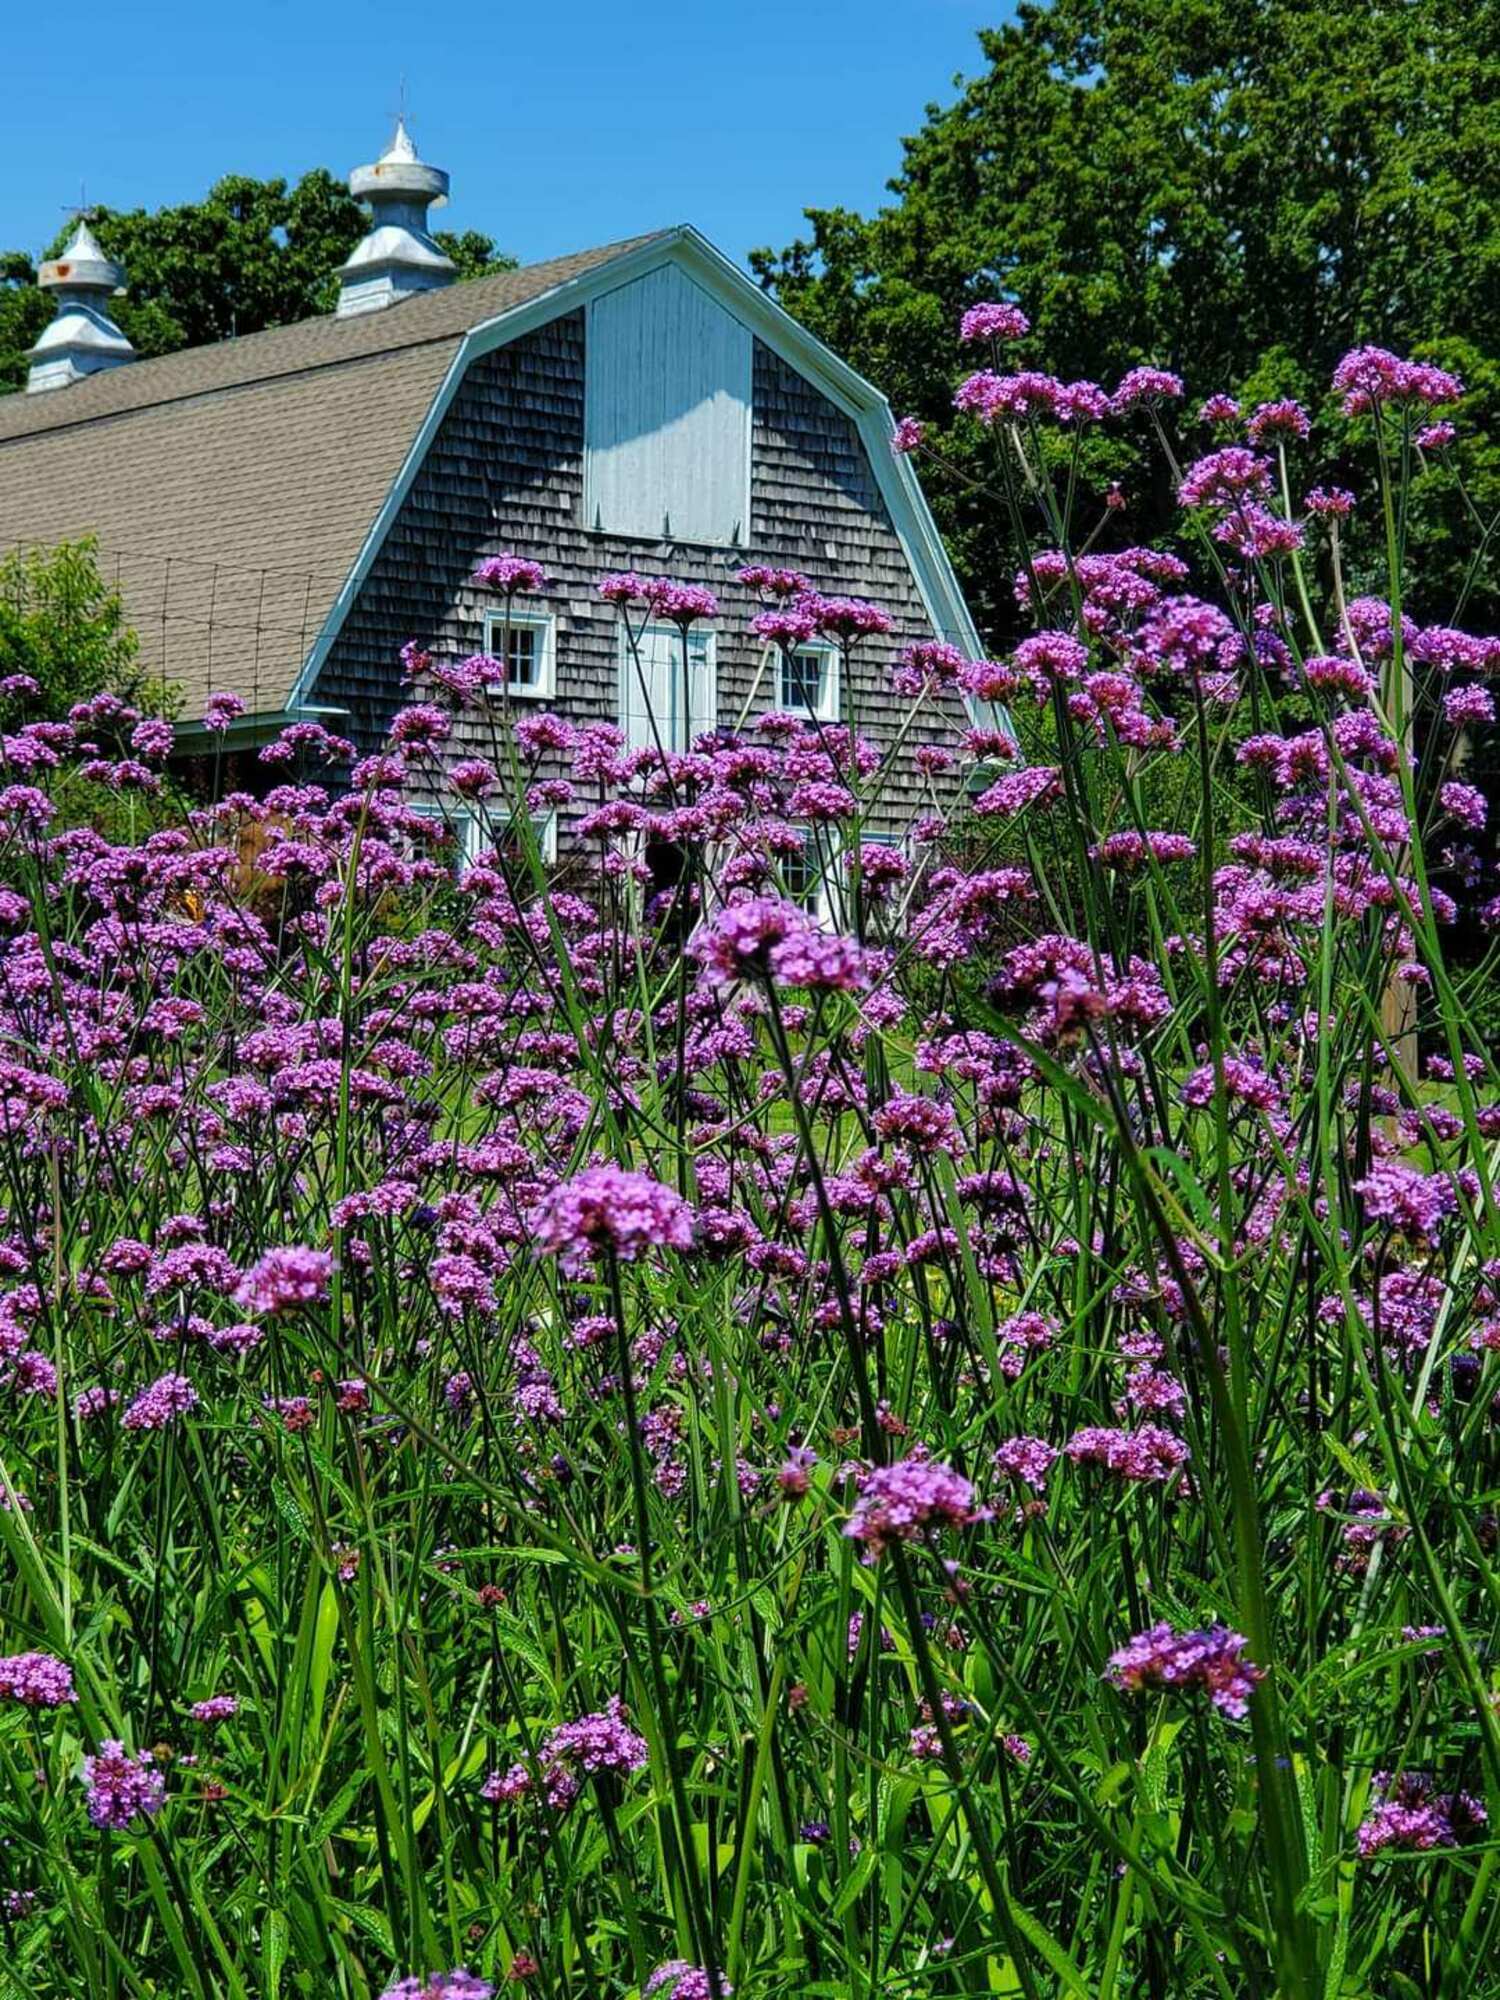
(231, 487)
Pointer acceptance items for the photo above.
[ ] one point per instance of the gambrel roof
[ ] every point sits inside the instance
(241, 491)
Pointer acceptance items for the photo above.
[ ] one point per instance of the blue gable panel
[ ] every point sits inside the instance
(667, 413)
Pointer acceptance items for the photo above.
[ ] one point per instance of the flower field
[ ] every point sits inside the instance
(613, 1437)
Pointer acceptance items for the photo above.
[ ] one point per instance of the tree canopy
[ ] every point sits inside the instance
(1239, 190)
(251, 254)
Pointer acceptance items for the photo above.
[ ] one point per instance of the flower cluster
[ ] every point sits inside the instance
(36, 1680)
(119, 1787)
(902, 1502)
(438, 1289)
(612, 1210)
(586, 1748)
(1211, 1661)
(1410, 1814)
(455, 1985)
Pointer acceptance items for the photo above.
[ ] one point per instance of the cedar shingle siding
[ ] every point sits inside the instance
(505, 472)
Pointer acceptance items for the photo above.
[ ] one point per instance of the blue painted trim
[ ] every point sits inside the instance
(897, 482)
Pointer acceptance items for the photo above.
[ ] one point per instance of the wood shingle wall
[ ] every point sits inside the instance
(505, 472)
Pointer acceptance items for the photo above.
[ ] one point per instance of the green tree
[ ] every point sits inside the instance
(251, 254)
(1216, 186)
(64, 627)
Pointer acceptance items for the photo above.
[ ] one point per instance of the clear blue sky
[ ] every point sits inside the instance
(564, 123)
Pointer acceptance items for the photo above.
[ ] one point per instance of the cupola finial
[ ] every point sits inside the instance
(82, 339)
(398, 257)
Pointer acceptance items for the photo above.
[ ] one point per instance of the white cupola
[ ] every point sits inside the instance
(398, 257)
(82, 339)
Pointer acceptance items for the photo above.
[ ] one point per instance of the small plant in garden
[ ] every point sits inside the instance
(620, 1436)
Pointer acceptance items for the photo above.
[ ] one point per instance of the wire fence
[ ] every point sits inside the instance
(204, 623)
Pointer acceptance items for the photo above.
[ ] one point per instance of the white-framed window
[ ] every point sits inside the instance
(461, 822)
(543, 825)
(817, 877)
(655, 708)
(808, 682)
(527, 641)
(806, 878)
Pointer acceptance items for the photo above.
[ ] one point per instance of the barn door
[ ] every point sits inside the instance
(651, 688)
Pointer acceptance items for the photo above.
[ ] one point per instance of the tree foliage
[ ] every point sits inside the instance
(63, 626)
(251, 254)
(1236, 189)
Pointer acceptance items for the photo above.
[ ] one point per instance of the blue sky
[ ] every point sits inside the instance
(562, 124)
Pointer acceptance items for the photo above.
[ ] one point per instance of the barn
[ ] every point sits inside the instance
(285, 510)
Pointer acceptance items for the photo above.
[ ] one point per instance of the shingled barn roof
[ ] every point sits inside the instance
(232, 487)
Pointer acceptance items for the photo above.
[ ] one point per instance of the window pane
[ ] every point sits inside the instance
(802, 681)
(522, 660)
(799, 876)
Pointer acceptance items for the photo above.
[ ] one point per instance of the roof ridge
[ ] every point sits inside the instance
(244, 360)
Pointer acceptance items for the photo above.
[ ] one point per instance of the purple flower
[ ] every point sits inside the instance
(36, 1680)
(786, 625)
(216, 1708)
(152, 738)
(738, 944)
(777, 584)
(572, 1752)
(1285, 419)
(678, 1980)
(1026, 1458)
(682, 603)
(160, 1404)
(1463, 706)
(1219, 409)
(1012, 794)
(1330, 502)
(1225, 478)
(848, 618)
(1413, 1203)
(513, 575)
(1245, 1082)
(1148, 1456)
(455, 1985)
(121, 1787)
(1369, 378)
(995, 398)
(907, 436)
(897, 1503)
(1145, 385)
(767, 937)
(220, 710)
(283, 1279)
(993, 320)
(794, 1477)
(1411, 1815)
(1464, 803)
(1211, 1660)
(820, 962)
(609, 1208)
